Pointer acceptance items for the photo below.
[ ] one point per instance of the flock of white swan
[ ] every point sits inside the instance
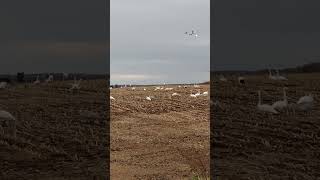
(305, 103)
(163, 88)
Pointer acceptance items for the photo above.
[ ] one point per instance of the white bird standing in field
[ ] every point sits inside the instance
(271, 76)
(112, 98)
(223, 79)
(205, 93)
(50, 78)
(65, 76)
(305, 103)
(168, 89)
(75, 85)
(175, 94)
(279, 105)
(306, 99)
(37, 81)
(3, 85)
(265, 107)
(8, 122)
(148, 98)
(198, 93)
(280, 77)
(193, 95)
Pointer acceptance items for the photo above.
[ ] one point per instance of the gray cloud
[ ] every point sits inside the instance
(147, 38)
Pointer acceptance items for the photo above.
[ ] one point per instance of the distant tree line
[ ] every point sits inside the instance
(306, 68)
(22, 77)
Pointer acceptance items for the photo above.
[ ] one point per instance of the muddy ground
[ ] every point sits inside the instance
(54, 140)
(248, 144)
(165, 138)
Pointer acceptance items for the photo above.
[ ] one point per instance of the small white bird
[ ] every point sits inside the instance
(223, 79)
(148, 98)
(133, 88)
(265, 107)
(193, 95)
(175, 94)
(205, 93)
(198, 93)
(144, 89)
(112, 98)
(168, 89)
(75, 85)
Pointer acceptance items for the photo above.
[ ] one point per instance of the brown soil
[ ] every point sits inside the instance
(165, 138)
(248, 144)
(54, 141)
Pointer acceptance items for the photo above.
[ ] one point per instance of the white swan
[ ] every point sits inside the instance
(198, 93)
(271, 76)
(278, 77)
(175, 94)
(112, 98)
(265, 107)
(305, 103)
(3, 85)
(8, 122)
(193, 95)
(37, 81)
(223, 79)
(306, 99)
(148, 98)
(205, 93)
(50, 78)
(281, 104)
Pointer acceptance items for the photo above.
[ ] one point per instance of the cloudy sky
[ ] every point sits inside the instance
(54, 36)
(148, 44)
(254, 34)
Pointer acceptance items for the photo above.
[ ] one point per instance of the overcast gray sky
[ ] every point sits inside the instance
(255, 34)
(148, 44)
(54, 36)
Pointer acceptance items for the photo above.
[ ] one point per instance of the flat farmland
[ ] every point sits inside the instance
(166, 137)
(60, 135)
